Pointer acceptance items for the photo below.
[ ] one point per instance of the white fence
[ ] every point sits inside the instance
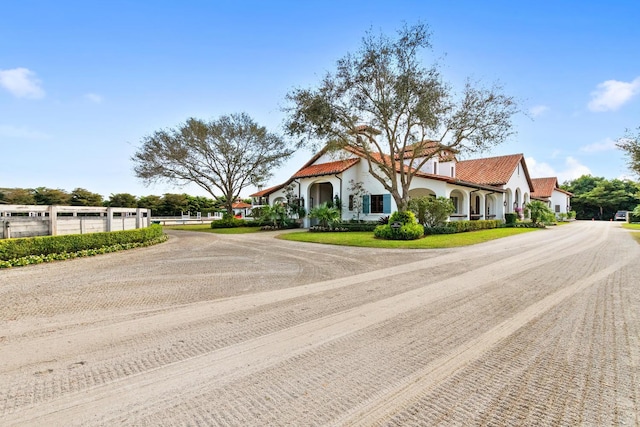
(35, 220)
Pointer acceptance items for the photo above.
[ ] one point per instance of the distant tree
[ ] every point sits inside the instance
(152, 202)
(82, 197)
(227, 154)
(174, 204)
(578, 187)
(383, 104)
(50, 196)
(20, 196)
(200, 204)
(122, 200)
(608, 196)
(630, 143)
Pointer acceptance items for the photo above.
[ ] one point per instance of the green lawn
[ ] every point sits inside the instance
(366, 239)
(633, 227)
(206, 228)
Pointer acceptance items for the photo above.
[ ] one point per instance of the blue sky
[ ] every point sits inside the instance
(82, 82)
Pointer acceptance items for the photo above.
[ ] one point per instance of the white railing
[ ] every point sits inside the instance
(37, 220)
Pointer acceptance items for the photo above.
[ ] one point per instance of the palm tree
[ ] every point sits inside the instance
(327, 216)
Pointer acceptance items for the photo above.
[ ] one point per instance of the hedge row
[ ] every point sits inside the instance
(463, 226)
(48, 245)
(37, 259)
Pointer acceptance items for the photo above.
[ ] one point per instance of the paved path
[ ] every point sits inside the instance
(537, 329)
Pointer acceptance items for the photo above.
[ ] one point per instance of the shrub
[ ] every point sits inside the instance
(540, 212)
(383, 220)
(428, 231)
(228, 221)
(71, 243)
(483, 224)
(405, 232)
(431, 211)
(510, 219)
(409, 229)
(326, 215)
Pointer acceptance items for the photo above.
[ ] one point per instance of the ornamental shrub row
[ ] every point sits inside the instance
(463, 226)
(47, 245)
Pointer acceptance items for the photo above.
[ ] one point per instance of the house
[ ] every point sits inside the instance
(548, 191)
(479, 189)
(241, 209)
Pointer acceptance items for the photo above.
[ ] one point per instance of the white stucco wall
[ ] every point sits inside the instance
(561, 199)
(518, 181)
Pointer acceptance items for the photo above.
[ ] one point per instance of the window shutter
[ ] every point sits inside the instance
(366, 202)
(386, 203)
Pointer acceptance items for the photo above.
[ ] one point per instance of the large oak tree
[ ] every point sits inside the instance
(384, 104)
(223, 155)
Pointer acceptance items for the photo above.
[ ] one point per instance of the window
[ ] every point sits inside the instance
(435, 168)
(376, 203)
(350, 202)
(557, 208)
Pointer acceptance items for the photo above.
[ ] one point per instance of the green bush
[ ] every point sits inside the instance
(483, 224)
(358, 226)
(405, 232)
(48, 245)
(228, 221)
(510, 218)
(428, 231)
(409, 230)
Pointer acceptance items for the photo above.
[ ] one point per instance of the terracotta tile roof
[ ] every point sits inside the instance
(429, 148)
(240, 205)
(490, 170)
(543, 187)
(268, 191)
(325, 168)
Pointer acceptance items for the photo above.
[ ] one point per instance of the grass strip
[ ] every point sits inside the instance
(366, 239)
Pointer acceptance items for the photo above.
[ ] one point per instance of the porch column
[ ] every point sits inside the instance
(483, 207)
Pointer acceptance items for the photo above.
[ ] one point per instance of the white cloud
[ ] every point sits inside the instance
(538, 110)
(539, 170)
(8, 131)
(572, 169)
(21, 83)
(93, 97)
(612, 94)
(606, 145)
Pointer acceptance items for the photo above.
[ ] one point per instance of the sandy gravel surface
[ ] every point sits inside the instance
(537, 329)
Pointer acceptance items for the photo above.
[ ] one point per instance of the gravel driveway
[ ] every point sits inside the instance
(541, 328)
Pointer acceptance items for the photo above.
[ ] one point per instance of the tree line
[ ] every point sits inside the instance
(599, 198)
(169, 204)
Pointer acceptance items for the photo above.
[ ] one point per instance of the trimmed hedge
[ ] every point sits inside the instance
(429, 231)
(510, 218)
(405, 232)
(48, 245)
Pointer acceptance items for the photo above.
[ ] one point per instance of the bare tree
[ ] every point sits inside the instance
(630, 143)
(227, 154)
(383, 104)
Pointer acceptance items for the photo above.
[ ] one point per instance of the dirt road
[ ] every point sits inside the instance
(537, 329)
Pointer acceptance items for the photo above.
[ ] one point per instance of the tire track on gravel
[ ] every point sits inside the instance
(385, 404)
(42, 349)
(248, 357)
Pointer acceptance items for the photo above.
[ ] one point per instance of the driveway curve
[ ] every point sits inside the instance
(536, 329)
